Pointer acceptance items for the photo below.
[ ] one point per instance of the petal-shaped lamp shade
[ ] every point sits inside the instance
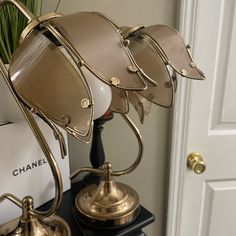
(98, 43)
(46, 81)
(152, 64)
(119, 103)
(171, 46)
(141, 105)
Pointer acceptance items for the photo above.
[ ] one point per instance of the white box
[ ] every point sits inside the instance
(24, 169)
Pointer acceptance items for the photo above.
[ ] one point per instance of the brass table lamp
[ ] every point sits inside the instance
(71, 69)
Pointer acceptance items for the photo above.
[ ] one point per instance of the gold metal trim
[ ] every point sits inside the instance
(35, 22)
(127, 32)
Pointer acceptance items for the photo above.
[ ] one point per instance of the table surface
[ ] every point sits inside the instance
(66, 212)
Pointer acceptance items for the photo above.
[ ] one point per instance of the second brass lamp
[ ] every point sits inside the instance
(72, 69)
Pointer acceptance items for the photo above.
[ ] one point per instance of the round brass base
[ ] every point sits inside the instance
(51, 226)
(107, 205)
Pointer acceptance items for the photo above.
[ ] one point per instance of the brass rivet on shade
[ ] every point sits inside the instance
(188, 46)
(65, 120)
(115, 81)
(132, 69)
(126, 42)
(192, 64)
(85, 103)
(166, 63)
(34, 110)
(184, 72)
(80, 63)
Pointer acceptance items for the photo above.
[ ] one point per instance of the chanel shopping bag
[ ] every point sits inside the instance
(24, 169)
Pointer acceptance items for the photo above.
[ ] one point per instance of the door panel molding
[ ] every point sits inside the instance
(224, 115)
(194, 15)
(213, 221)
(187, 25)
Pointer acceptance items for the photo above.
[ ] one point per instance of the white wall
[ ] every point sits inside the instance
(150, 178)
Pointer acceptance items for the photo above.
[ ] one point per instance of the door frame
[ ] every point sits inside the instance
(179, 123)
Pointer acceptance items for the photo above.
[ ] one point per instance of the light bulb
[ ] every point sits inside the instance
(101, 93)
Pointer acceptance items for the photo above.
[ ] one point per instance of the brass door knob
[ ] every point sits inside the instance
(196, 163)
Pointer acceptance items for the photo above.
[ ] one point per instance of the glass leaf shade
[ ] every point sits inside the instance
(141, 105)
(51, 69)
(47, 82)
(172, 48)
(152, 64)
(98, 43)
(119, 103)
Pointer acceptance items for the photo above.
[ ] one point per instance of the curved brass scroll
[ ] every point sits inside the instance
(126, 171)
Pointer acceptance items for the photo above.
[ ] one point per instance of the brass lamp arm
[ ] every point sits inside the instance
(44, 146)
(20, 6)
(140, 151)
(103, 170)
(11, 198)
(87, 169)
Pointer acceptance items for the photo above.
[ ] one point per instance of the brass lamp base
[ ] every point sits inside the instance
(32, 225)
(108, 205)
(51, 226)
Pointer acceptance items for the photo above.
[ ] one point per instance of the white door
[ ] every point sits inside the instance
(205, 121)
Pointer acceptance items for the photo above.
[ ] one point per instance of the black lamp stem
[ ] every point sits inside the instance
(97, 154)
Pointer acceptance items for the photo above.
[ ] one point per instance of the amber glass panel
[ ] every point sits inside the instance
(137, 106)
(101, 47)
(141, 105)
(147, 105)
(119, 103)
(44, 79)
(174, 48)
(151, 63)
